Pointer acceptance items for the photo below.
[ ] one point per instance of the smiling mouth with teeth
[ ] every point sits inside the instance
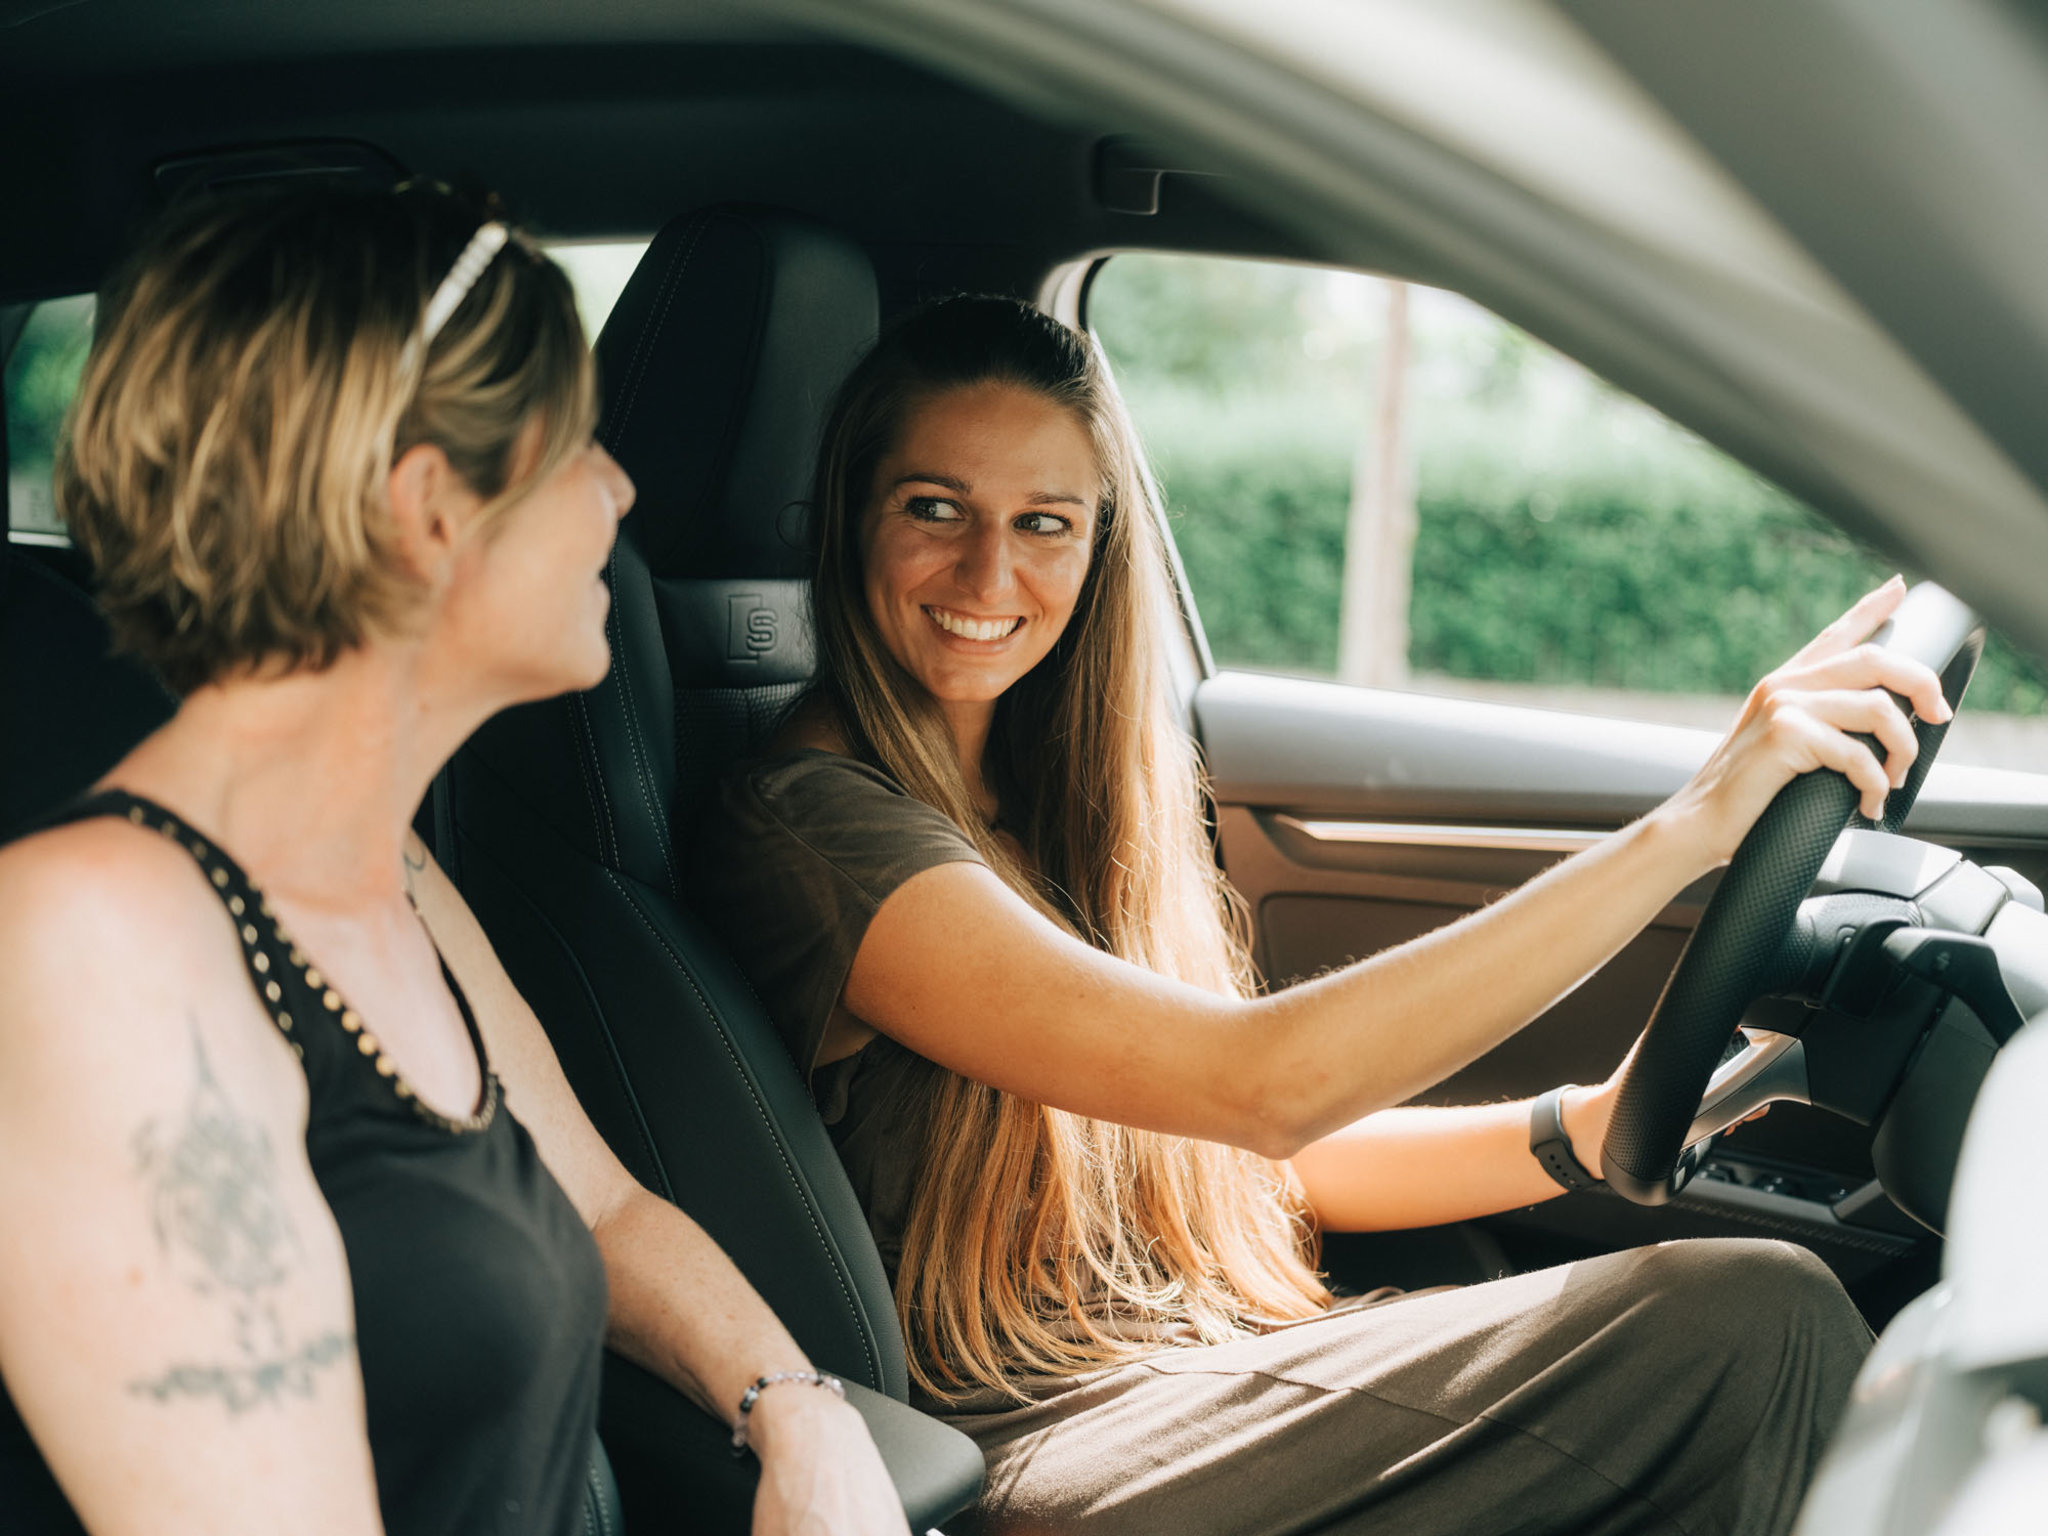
(974, 629)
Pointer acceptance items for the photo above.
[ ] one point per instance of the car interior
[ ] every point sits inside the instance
(798, 190)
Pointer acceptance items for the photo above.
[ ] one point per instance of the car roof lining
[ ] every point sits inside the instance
(94, 36)
(601, 140)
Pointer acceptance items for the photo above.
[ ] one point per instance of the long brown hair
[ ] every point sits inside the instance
(1041, 1242)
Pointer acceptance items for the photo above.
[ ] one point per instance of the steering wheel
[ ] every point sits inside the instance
(1649, 1154)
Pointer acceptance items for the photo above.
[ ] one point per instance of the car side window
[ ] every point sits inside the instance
(48, 356)
(41, 376)
(598, 271)
(1388, 485)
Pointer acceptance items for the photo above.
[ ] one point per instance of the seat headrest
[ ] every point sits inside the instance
(718, 364)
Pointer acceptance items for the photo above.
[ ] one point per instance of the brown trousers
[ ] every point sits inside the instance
(1686, 1389)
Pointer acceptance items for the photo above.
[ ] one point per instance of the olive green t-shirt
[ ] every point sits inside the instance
(791, 865)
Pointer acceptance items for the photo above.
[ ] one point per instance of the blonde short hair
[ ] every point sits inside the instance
(250, 385)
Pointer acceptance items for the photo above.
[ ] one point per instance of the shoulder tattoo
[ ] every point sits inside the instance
(221, 1223)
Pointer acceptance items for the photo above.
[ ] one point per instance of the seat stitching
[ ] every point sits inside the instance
(583, 769)
(768, 1120)
(613, 1055)
(596, 779)
(586, 768)
(643, 773)
(734, 419)
(678, 264)
(671, 281)
(671, 284)
(595, 1515)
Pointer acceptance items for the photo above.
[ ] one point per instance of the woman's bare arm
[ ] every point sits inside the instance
(961, 970)
(678, 1305)
(1422, 1166)
(957, 967)
(175, 1318)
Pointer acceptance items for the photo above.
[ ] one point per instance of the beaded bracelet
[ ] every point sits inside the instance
(761, 1384)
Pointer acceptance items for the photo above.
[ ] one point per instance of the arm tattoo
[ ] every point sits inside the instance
(413, 866)
(221, 1223)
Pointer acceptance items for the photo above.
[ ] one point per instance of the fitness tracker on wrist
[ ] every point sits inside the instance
(1552, 1145)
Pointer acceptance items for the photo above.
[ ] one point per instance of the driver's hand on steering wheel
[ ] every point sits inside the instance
(1802, 716)
(1587, 1111)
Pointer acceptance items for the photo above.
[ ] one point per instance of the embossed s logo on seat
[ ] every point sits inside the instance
(750, 627)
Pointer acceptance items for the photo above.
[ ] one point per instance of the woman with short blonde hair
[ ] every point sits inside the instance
(301, 1227)
(973, 883)
(228, 448)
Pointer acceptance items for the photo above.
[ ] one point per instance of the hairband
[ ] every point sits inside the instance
(483, 246)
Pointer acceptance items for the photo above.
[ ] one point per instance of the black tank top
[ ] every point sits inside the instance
(479, 1294)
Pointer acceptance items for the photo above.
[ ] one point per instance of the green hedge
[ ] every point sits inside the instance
(1653, 565)
(42, 376)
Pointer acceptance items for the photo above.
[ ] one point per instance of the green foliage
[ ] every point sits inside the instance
(1213, 327)
(1567, 534)
(1276, 608)
(1664, 568)
(42, 376)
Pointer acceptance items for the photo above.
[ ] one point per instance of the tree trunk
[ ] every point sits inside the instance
(1379, 534)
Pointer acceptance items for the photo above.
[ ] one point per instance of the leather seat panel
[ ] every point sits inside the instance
(718, 364)
(71, 708)
(673, 1059)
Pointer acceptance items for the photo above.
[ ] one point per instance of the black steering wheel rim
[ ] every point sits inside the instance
(1726, 963)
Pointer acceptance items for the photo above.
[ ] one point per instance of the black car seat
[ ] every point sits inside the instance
(68, 709)
(561, 821)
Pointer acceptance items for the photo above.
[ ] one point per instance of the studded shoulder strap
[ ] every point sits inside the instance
(279, 972)
(264, 950)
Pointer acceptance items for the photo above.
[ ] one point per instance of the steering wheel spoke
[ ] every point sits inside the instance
(1771, 1069)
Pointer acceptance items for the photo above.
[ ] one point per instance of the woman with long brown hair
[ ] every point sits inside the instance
(973, 884)
(301, 1228)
